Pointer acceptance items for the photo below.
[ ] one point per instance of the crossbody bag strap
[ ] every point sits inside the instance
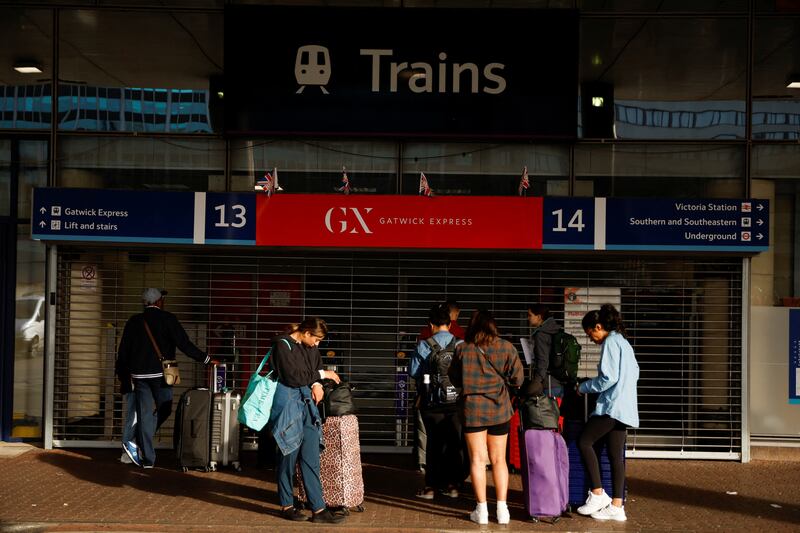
(153, 340)
(502, 376)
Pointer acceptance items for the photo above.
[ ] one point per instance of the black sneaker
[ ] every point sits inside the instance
(293, 514)
(327, 517)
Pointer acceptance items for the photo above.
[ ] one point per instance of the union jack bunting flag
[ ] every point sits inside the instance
(266, 184)
(345, 188)
(524, 182)
(424, 188)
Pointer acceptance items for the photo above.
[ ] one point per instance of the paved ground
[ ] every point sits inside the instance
(89, 490)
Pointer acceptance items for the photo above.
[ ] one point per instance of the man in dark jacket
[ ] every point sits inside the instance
(139, 365)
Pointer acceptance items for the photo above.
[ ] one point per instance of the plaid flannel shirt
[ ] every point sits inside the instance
(485, 398)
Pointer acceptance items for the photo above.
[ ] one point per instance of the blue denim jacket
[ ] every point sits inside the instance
(286, 418)
(617, 375)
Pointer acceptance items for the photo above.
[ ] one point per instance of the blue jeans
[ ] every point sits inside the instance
(129, 429)
(308, 455)
(153, 407)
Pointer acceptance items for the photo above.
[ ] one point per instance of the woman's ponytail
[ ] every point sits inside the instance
(607, 316)
(611, 319)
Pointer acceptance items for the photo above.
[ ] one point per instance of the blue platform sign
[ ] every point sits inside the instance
(691, 224)
(230, 218)
(568, 223)
(112, 216)
(794, 355)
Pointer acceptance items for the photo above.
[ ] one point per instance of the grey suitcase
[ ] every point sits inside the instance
(207, 428)
(192, 420)
(225, 430)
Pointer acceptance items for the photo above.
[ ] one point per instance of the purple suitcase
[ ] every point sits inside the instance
(545, 473)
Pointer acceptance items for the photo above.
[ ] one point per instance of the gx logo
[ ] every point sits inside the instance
(343, 215)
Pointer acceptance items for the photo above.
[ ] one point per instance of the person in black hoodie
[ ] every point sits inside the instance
(545, 325)
(294, 419)
(139, 365)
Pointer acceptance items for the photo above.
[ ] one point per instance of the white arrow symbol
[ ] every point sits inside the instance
(760, 236)
(760, 222)
(43, 210)
(42, 224)
(760, 207)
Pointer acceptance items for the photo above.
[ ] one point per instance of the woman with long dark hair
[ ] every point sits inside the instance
(616, 411)
(294, 420)
(485, 366)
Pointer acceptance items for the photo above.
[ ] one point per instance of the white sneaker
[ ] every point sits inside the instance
(479, 517)
(503, 516)
(594, 503)
(611, 512)
(124, 459)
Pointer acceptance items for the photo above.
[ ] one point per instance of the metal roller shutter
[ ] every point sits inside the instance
(683, 316)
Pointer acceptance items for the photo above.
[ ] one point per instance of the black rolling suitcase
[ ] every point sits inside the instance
(193, 429)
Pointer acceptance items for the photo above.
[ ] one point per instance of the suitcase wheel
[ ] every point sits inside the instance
(237, 466)
(359, 508)
(184, 469)
(534, 519)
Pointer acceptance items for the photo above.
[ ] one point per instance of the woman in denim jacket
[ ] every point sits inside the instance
(294, 420)
(617, 410)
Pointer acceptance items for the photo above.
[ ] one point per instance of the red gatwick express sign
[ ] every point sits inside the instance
(339, 221)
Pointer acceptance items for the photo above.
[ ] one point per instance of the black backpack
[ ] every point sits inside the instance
(444, 393)
(338, 399)
(565, 354)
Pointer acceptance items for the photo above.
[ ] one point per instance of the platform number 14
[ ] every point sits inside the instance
(576, 222)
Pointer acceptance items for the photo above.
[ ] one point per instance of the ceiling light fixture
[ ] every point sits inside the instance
(793, 82)
(27, 67)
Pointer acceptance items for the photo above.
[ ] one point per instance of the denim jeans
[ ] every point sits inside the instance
(129, 429)
(308, 455)
(153, 407)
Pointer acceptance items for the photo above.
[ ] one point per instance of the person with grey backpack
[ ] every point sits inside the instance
(445, 452)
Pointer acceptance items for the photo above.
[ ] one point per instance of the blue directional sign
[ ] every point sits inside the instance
(230, 218)
(218, 218)
(693, 224)
(568, 223)
(114, 216)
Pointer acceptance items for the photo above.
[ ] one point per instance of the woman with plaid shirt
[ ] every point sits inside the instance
(485, 366)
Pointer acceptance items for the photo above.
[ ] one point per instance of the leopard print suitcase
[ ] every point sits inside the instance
(340, 465)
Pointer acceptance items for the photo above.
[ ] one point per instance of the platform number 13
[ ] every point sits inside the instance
(576, 222)
(238, 214)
